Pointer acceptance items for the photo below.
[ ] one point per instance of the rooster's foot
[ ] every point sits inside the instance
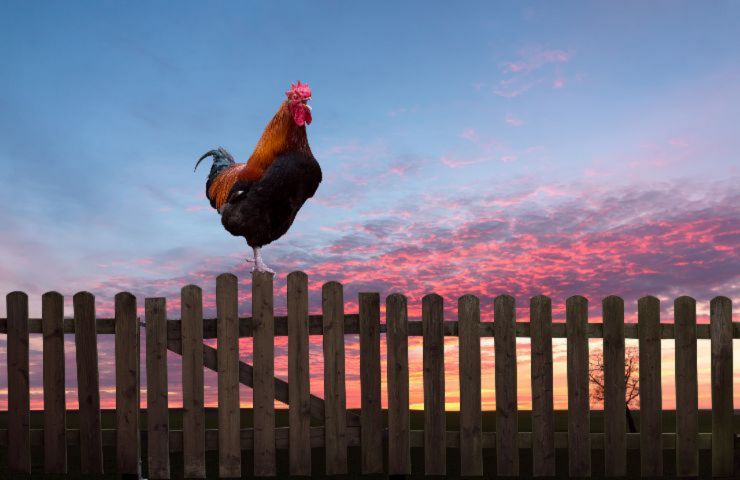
(261, 267)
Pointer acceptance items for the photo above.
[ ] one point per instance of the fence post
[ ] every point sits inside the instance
(615, 421)
(193, 418)
(399, 442)
(543, 422)
(128, 451)
(371, 431)
(335, 409)
(264, 373)
(471, 441)
(19, 406)
(687, 422)
(298, 375)
(158, 424)
(651, 395)
(722, 405)
(229, 425)
(507, 429)
(88, 387)
(55, 424)
(435, 441)
(579, 432)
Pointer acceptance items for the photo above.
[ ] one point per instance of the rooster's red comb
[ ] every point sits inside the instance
(298, 91)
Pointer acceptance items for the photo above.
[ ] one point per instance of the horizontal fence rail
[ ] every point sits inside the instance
(385, 441)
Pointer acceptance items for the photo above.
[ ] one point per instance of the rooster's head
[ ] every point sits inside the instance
(298, 97)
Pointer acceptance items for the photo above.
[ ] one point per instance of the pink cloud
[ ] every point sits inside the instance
(533, 66)
(513, 121)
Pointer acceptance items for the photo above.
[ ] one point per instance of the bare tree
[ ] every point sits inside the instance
(631, 380)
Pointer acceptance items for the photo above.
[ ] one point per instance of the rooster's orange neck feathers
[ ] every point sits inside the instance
(281, 135)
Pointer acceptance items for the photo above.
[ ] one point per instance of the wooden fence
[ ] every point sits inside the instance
(339, 428)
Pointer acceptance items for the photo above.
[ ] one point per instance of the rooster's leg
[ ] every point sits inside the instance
(259, 265)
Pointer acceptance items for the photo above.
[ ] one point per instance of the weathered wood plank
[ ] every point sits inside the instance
(543, 421)
(399, 441)
(264, 373)
(722, 388)
(229, 446)
(298, 375)
(435, 454)
(88, 387)
(128, 449)
(687, 420)
(370, 414)
(193, 418)
(335, 404)
(19, 403)
(471, 446)
(158, 424)
(579, 438)
(651, 394)
(615, 421)
(507, 450)
(55, 419)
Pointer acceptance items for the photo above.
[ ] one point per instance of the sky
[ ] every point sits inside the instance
(467, 148)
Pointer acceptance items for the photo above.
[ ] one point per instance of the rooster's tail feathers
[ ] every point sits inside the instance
(221, 177)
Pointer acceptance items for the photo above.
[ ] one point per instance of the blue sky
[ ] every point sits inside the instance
(521, 147)
(104, 107)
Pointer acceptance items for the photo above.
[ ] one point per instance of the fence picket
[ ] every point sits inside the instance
(128, 450)
(543, 421)
(158, 425)
(687, 424)
(335, 404)
(651, 395)
(264, 373)
(399, 440)
(722, 404)
(19, 403)
(88, 386)
(298, 375)
(471, 434)
(615, 420)
(193, 418)
(229, 446)
(55, 423)
(579, 436)
(507, 448)
(371, 421)
(435, 452)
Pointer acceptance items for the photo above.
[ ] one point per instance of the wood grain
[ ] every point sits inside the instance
(615, 420)
(19, 403)
(471, 430)
(370, 414)
(193, 418)
(579, 438)
(229, 446)
(687, 420)
(128, 449)
(298, 375)
(507, 450)
(651, 393)
(264, 373)
(88, 388)
(399, 439)
(335, 404)
(435, 453)
(722, 389)
(55, 419)
(158, 424)
(543, 421)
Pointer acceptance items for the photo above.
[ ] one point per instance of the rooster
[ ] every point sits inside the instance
(259, 200)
